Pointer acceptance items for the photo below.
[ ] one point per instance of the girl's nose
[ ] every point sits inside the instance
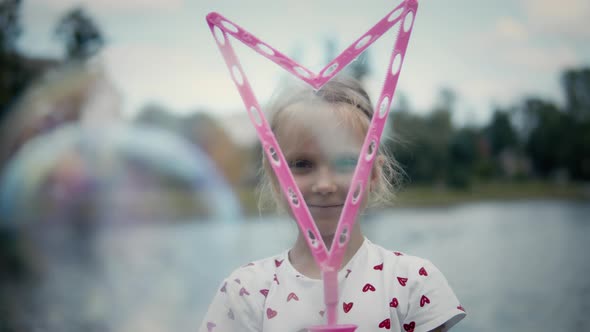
(325, 182)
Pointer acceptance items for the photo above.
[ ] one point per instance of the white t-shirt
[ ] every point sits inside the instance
(379, 290)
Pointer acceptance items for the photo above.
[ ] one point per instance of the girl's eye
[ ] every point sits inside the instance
(300, 165)
(345, 164)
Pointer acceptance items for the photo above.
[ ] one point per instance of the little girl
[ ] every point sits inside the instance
(321, 134)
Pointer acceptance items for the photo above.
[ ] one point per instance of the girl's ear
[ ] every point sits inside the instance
(377, 171)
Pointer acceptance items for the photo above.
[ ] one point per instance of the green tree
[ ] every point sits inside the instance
(549, 142)
(576, 87)
(500, 132)
(10, 27)
(80, 35)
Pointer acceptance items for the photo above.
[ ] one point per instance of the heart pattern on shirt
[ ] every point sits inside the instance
(347, 273)
(278, 262)
(423, 272)
(461, 308)
(237, 280)
(402, 281)
(223, 289)
(397, 253)
(292, 296)
(385, 324)
(378, 267)
(410, 327)
(394, 303)
(276, 279)
(347, 306)
(243, 291)
(270, 313)
(368, 287)
(424, 300)
(210, 326)
(264, 292)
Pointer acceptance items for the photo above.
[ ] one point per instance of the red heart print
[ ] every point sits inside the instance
(243, 291)
(461, 308)
(385, 324)
(423, 272)
(368, 287)
(264, 292)
(276, 279)
(292, 296)
(402, 281)
(378, 267)
(397, 253)
(230, 314)
(223, 289)
(424, 300)
(393, 303)
(210, 326)
(278, 263)
(322, 312)
(237, 280)
(347, 306)
(270, 313)
(410, 327)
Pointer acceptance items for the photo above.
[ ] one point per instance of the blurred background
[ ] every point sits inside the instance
(129, 166)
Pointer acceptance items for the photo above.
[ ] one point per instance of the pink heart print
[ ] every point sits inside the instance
(409, 327)
(278, 263)
(385, 324)
(378, 267)
(210, 326)
(264, 292)
(423, 272)
(347, 306)
(397, 253)
(270, 313)
(292, 296)
(402, 281)
(368, 287)
(393, 303)
(424, 300)
(223, 289)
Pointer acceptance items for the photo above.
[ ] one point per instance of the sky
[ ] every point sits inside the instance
(491, 53)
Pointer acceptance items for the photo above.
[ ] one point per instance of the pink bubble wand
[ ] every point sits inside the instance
(329, 261)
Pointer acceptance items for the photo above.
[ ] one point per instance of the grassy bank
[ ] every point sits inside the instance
(424, 196)
(497, 191)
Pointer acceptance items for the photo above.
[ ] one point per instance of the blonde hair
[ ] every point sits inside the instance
(341, 90)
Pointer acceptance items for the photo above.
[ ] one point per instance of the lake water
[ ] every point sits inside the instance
(519, 266)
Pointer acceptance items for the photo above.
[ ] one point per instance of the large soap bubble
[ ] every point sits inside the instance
(96, 226)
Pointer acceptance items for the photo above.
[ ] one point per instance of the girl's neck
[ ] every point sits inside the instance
(303, 261)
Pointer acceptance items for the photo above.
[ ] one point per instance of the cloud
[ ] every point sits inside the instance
(511, 29)
(111, 5)
(566, 17)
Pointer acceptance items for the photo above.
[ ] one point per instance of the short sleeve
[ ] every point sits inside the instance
(235, 307)
(432, 302)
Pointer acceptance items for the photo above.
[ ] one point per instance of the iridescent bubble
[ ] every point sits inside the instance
(96, 227)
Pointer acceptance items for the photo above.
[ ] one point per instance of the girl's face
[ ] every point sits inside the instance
(321, 143)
